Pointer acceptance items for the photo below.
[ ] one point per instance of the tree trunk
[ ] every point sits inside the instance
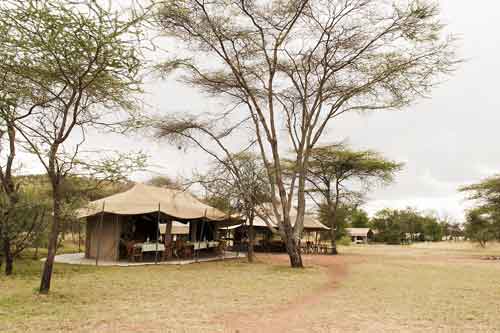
(79, 237)
(333, 234)
(52, 247)
(9, 260)
(293, 249)
(333, 206)
(251, 240)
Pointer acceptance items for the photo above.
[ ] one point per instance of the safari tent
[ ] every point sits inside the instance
(266, 230)
(360, 235)
(149, 215)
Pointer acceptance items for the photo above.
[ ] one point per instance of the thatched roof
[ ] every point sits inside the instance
(144, 199)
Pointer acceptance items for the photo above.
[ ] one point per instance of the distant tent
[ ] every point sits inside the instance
(360, 235)
(310, 223)
(266, 227)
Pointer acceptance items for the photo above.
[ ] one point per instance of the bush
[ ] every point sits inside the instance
(345, 241)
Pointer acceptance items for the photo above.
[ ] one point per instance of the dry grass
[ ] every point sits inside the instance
(148, 299)
(443, 287)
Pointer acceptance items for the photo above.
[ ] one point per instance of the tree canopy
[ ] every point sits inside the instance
(339, 175)
(290, 67)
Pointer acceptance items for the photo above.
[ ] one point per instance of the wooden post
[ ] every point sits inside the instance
(157, 234)
(316, 241)
(168, 238)
(79, 236)
(99, 236)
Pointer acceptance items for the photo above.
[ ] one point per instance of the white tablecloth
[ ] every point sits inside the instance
(151, 247)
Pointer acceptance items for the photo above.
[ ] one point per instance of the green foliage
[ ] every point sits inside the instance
(342, 163)
(342, 216)
(341, 176)
(359, 219)
(395, 226)
(482, 227)
(164, 181)
(344, 241)
(483, 222)
(485, 193)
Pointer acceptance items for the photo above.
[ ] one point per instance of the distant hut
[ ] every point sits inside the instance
(360, 235)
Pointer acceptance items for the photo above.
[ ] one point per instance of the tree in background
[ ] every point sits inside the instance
(406, 225)
(359, 219)
(483, 221)
(481, 227)
(22, 223)
(290, 67)
(238, 186)
(80, 65)
(388, 226)
(486, 193)
(164, 181)
(342, 217)
(338, 174)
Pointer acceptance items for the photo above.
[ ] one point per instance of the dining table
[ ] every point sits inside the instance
(150, 247)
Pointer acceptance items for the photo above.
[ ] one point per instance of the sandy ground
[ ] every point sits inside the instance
(286, 317)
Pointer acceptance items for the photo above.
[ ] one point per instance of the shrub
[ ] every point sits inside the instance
(345, 241)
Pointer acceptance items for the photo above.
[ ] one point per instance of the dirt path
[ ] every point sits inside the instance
(289, 316)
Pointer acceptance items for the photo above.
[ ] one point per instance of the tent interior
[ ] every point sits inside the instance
(147, 221)
(113, 236)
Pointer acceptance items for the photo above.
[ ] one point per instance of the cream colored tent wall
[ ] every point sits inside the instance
(109, 237)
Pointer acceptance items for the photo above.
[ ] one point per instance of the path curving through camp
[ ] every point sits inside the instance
(289, 316)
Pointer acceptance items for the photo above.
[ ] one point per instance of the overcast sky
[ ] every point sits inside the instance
(445, 141)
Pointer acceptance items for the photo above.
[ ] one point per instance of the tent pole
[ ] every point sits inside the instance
(157, 234)
(99, 236)
(226, 241)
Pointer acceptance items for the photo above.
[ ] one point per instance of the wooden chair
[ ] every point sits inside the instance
(130, 249)
(188, 251)
(179, 249)
(168, 253)
(221, 248)
(136, 253)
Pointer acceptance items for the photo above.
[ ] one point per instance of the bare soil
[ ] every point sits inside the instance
(289, 316)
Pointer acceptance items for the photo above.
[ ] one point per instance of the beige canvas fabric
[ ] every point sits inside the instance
(144, 199)
(310, 223)
(354, 232)
(177, 228)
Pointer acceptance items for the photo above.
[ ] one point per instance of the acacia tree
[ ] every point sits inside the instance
(241, 190)
(81, 63)
(20, 221)
(338, 174)
(292, 66)
(483, 221)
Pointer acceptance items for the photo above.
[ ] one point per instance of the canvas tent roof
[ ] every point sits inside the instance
(363, 232)
(144, 199)
(310, 223)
